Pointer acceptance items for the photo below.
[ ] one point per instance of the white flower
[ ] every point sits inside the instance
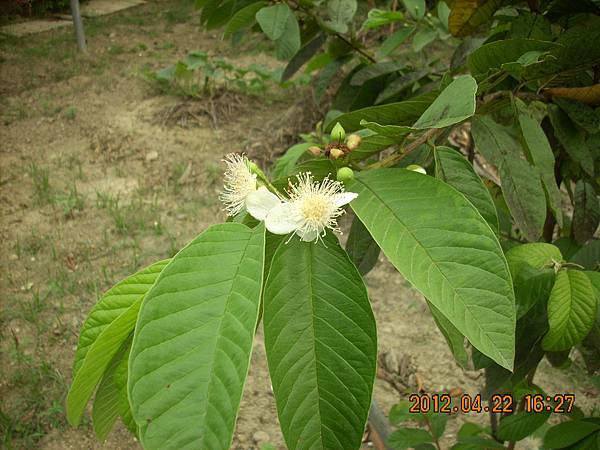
(312, 208)
(239, 183)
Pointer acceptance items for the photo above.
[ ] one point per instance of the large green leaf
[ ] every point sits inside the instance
(568, 433)
(107, 406)
(586, 214)
(321, 345)
(273, 20)
(243, 18)
(303, 55)
(454, 169)
(97, 361)
(112, 304)
(532, 270)
(571, 138)
(401, 113)
(289, 42)
(497, 53)
(120, 379)
(193, 340)
(540, 154)
(376, 70)
(341, 13)
(437, 239)
(539, 255)
(455, 104)
(467, 15)
(521, 185)
(520, 425)
(571, 310)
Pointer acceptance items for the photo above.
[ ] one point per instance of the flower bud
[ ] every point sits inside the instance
(416, 168)
(353, 141)
(314, 150)
(335, 153)
(345, 174)
(338, 134)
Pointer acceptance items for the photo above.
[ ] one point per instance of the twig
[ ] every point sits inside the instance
(396, 157)
(298, 6)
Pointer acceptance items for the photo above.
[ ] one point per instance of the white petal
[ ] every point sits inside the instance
(283, 219)
(307, 236)
(344, 198)
(260, 202)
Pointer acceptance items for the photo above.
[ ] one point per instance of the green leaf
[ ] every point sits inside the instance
(568, 433)
(494, 54)
(588, 255)
(273, 20)
(454, 338)
(586, 212)
(580, 113)
(361, 247)
(405, 438)
(106, 403)
(539, 255)
(455, 104)
(376, 70)
(111, 305)
(286, 163)
(571, 138)
(394, 41)
(477, 443)
(520, 425)
(437, 239)
(303, 55)
(243, 18)
(370, 145)
(571, 310)
(521, 186)
(416, 8)
(120, 380)
(400, 84)
(193, 340)
(400, 113)
(321, 345)
(341, 13)
(423, 38)
(452, 168)
(395, 132)
(531, 285)
(466, 15)
(289, 42)
(540, 154)
(97, 361)
(531, 26)
(379, 17)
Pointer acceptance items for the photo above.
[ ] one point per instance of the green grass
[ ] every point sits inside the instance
(40, 176)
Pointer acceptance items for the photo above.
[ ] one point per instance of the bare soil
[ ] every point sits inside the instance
(95, 184)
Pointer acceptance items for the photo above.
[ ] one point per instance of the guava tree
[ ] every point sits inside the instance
(465, 138)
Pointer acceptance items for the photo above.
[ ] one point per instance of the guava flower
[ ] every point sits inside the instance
(239, 183)
(311, 209)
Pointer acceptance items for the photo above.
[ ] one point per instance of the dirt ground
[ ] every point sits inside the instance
(96, 183)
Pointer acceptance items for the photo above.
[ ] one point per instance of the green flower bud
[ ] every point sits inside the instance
(417, 168)
(345, 174)
(338, 133)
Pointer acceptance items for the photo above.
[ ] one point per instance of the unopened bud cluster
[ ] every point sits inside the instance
(339, 145)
